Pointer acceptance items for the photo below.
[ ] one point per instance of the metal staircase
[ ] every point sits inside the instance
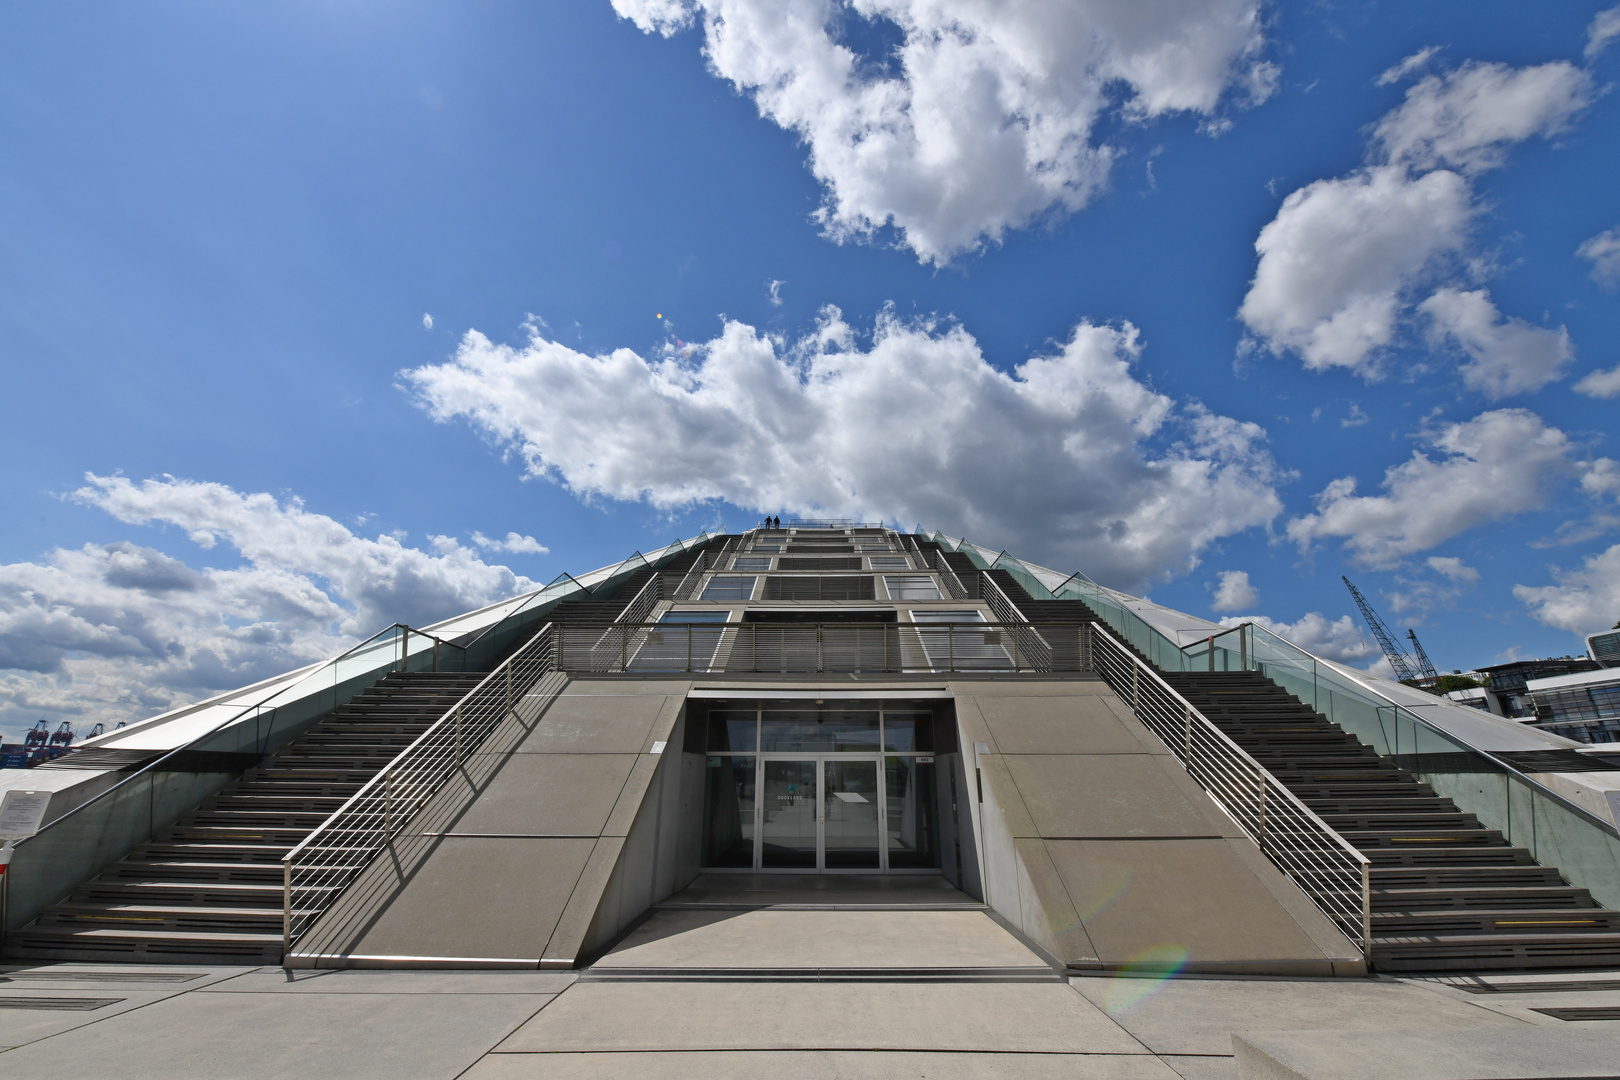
(208, 889)
(1448, 893)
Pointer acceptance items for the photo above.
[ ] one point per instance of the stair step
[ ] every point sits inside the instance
(209, 888)
(1539, 897)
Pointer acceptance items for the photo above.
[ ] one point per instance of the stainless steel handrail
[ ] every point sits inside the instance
(922, 560)
(989, 647)
(329, 858)
(953, 584)
(1325, 865)
(706, 561)
(1033, 646)
(157, 763)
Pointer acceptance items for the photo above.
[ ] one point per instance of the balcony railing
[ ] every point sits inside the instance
(801, 648)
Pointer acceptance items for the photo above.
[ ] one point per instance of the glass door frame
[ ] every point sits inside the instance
(820, 758)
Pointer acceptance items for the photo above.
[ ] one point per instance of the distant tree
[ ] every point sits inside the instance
(1448, 683)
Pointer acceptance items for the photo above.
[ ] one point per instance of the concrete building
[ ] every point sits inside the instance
(745, 757)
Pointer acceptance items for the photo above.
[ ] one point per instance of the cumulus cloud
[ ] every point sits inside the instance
(120, 631)
(1336, 639)
(1506, 356)
(1602, 477)
(1345, 259)
(1467, 119)
(1584, 601)
(1600, 384)
(981, 118)
(427, 321)
(1454, 568)
(1234, 593)
(1070, 457)
(1601, 34)
(1603, 251)
(1498, 464)
(516, 543)
(1336, 260)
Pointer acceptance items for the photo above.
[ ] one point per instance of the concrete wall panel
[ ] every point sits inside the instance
(1110, 795)
(563, 794)
(1098, 845)
(1146, 899)
(1057, 725)
(486, 897)
(596, 723)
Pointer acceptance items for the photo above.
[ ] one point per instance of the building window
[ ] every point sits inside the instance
(911, 587)
(820, 588)
(889, 562)
(788, 562)
(746, 563)
(729, 588)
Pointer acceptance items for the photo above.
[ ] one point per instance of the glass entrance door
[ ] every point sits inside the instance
(790, 826)
(821, 813)
(849, 814)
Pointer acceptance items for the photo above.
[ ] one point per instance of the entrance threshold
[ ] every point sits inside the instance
(830, 892)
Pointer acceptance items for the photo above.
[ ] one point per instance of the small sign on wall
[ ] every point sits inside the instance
(21, 813)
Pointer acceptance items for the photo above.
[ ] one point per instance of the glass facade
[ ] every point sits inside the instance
(842, 785)
(1578, 703)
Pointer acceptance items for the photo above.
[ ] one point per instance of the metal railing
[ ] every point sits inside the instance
(323, 865)
(638, 647)
(1029, 639)
(638, 609)
(919, 560)
(953, 584)
(1322, 863)
(707, 561)
(79, 844)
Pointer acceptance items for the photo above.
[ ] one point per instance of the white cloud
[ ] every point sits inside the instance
(1337, 639)
(1454, 568)
(427, 321)
(776, 291)
(1604, 29)
(1600, 384)
(1338, 257)
(1410, 66)
(120, 631)
(1506, 356)
(1601, 477)
(981, 119)
(1357, 417)
(516, 543)
(1069, 458)
(1235, 592)
(1497, 464)
(1344, 259)
(1466, 119)
(1584, 600)
(1603, 250)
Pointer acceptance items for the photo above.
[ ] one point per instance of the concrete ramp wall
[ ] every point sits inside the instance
(542, 847)
(1098, 845)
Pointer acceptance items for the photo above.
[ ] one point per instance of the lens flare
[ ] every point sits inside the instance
(1143, 975)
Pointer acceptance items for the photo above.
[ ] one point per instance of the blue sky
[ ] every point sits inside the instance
(1017, 294)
